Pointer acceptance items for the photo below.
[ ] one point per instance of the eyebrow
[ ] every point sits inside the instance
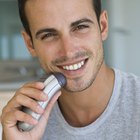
(81, 21)
(73, 24)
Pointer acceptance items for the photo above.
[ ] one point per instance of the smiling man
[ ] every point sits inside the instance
(97, 102)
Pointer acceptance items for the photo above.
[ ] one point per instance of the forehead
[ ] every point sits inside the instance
(49, 12)
(57, 2)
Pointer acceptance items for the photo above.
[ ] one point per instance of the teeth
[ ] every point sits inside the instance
(74, 66)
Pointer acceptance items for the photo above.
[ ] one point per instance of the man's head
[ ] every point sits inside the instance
(21, 4)
(66, 36)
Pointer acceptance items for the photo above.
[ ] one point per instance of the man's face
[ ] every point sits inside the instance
(67, 39)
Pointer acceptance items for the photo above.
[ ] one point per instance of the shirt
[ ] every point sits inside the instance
(119, 121)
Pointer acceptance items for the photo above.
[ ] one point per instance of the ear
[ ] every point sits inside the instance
(29, 43)
(104, 25)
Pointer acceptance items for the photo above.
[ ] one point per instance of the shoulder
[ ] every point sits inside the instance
(129, 86)
(128, 80)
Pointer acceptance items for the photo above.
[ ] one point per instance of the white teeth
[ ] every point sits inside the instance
(74, 66)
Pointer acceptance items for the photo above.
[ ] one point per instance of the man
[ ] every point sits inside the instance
(97, 102)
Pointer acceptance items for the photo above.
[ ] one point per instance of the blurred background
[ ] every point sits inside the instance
(16, 64)
(121, 48)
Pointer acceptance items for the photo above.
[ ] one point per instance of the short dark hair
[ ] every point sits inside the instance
(21, 5)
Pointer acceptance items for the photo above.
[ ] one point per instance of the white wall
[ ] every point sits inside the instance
(122, 47)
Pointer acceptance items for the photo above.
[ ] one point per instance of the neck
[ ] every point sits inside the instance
(80, 109)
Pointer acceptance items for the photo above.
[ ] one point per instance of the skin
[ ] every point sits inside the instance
(61, 39)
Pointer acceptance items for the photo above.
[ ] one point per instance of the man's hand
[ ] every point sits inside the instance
(26, 96)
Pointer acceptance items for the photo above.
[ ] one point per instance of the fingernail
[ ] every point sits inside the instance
(44, 96)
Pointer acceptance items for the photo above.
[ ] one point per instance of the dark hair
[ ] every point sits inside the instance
(21, 5)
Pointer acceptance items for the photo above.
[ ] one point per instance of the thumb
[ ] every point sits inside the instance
(40, 128)
(50, 106)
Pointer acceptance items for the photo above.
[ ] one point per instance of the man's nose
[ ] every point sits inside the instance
(69, 45)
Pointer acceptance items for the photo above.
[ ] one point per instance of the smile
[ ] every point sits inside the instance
(74, 66)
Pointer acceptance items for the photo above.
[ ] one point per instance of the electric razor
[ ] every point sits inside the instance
(53, 84)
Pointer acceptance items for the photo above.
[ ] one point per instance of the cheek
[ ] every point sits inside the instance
(45, 56)
(95, 47)
(93, 42)
(44, 50)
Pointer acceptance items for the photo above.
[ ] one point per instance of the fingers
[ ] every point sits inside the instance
(28, 96)
(12, 117)
(33, 90)
(25, 96)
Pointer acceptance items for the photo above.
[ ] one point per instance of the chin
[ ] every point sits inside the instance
(78, 85)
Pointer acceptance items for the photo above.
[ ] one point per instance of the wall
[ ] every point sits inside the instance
(122, 47)
(11, 43)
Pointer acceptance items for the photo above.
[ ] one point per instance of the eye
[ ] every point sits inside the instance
(81, 27)
(48, 36)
